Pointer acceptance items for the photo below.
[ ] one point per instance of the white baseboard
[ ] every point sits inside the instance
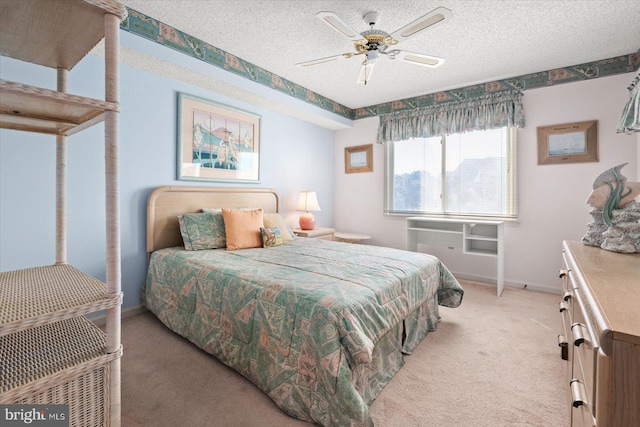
(100, 319)
(510, 284)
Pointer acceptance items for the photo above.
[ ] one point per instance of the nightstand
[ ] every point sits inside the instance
(316, 233)
(350, 237)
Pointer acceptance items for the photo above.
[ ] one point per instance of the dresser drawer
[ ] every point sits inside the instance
(584, 371)
(564, 338)
(585, 346)
(565, 307)
(581, 417)
(570, 283)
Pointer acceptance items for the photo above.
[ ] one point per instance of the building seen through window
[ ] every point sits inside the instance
(466, 174)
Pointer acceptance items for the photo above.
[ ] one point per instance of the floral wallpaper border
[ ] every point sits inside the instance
(144, 26)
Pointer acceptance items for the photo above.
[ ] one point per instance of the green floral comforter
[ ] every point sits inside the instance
(317, 325)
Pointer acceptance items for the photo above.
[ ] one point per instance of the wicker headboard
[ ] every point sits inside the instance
(166, 203)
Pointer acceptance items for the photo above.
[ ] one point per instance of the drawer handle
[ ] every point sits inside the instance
(564, 347)
(563, 306)
(578, 335)
(563, 273)
(578, 393)
(566, 295)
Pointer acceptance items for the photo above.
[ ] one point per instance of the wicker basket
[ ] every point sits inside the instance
(87, 396)
(61, 363)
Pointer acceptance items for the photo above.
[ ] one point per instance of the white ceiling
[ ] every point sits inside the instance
(486, 40)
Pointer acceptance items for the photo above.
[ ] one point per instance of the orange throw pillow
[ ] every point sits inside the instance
(243, 228)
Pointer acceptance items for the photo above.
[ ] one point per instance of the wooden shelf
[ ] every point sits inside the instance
(28, 27)
(34, 109)
(35, 296)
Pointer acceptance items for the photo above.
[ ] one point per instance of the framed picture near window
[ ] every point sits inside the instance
(568, 143)
(358, 159)
(217, 142)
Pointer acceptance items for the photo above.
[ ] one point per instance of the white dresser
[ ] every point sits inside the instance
(600, 311)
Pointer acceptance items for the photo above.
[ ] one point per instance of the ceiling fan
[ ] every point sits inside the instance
(372, 43)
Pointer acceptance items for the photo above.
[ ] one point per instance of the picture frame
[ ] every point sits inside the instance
(568, 143)
(217, 142)
(358, 159)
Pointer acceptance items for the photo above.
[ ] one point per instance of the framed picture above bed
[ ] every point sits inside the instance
(217, 142)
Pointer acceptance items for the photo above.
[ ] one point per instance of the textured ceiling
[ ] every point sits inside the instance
(486, 40)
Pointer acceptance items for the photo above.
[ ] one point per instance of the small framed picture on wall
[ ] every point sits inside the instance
(568, 143)
(358, 158)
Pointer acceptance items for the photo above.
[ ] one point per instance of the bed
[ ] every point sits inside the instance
(321, 327)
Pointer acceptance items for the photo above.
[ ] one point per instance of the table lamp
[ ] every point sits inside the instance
(308, 201)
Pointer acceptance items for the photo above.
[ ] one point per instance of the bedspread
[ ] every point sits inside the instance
(317, 325)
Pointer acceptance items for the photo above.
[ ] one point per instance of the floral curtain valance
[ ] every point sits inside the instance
(630, 120)
(485, 112)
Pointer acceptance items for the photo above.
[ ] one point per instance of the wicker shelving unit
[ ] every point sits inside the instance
(49, 352)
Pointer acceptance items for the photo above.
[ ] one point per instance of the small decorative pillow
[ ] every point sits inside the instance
(201, 231)
(270, 237)
(275, 220)
(243, 228)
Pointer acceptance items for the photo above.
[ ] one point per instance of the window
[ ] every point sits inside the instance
(466, 174)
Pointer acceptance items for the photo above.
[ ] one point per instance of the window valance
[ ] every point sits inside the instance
(481, 113)
(630, 120)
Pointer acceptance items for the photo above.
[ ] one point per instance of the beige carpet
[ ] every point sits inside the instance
(491, 362)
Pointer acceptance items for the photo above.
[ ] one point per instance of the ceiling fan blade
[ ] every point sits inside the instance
(419, 58)
(334, 21)
(365, 72)
(323, 60)
(430, 19)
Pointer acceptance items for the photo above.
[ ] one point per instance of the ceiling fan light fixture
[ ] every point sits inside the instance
(367, 67)
(365, 72)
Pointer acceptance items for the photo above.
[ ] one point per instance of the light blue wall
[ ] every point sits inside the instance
(295, 155)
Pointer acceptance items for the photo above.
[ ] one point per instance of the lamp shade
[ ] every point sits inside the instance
(308, 201)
